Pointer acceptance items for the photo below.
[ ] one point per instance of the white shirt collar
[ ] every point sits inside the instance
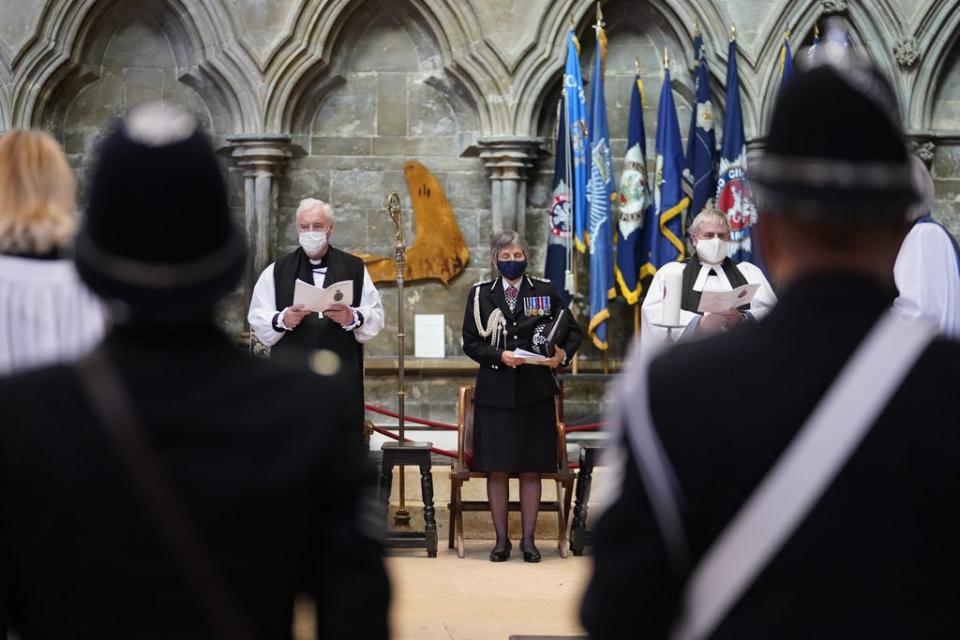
(507, 283)
(704, 272)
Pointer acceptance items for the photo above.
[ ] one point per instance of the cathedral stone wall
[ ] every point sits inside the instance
(328, 98)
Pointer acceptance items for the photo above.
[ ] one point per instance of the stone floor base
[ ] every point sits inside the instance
(448, 598)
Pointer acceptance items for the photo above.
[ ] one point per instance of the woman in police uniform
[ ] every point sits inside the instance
(515, 415)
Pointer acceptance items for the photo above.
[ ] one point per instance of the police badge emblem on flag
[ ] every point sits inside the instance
(734, 197)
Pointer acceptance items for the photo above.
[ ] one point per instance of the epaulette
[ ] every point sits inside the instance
(547, 280)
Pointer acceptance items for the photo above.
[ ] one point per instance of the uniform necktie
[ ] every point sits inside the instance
(512, 297)
(713, 273)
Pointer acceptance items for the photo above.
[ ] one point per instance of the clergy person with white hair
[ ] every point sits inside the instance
(289, 329)
(709, 269)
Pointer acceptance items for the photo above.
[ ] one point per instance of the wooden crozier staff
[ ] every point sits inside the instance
(402, 516)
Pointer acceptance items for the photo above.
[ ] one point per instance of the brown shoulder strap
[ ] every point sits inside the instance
(115, 412)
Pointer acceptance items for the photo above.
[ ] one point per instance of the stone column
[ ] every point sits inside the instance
(263, 159)
(508, 159)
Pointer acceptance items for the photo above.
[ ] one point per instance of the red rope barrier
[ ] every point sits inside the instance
(428, 423)
(442, 452)
(595, 426)
(390, 434)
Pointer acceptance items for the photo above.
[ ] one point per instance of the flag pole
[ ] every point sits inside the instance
(570, 277)
(573, 307)
(636, 305)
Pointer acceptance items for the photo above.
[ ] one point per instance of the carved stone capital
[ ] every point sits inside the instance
(261, 155)
(508, 157)
(923, 149)
(263, 159)
(508, 160)
(907, 51)
(834, 6)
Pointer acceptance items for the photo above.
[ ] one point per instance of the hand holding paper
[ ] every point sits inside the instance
(720, 301)
(320, 300)
(529, 357)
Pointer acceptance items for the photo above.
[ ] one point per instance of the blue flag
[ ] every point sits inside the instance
(634, 202)
(701, 171)
(601, 194)
(558, 236)
(733, 192)
(786, 61)
(576, 117)
(665, 236)
(816, 42)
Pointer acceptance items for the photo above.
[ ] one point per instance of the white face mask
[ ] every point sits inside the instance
(712, 251)
(313, 242)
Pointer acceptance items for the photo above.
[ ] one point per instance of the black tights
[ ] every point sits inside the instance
(498, 493)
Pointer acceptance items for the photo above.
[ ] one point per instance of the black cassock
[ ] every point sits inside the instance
(877, 557)
(515, 417)
(261, 454)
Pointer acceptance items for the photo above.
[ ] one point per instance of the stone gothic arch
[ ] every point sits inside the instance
(4, 100)
(937, 37)
(303, 60)
(538, 74)
(379, 93)
(874, 30)
(5, 85)
(71, 34)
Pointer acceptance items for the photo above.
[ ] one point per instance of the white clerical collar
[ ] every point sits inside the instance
(704, 273)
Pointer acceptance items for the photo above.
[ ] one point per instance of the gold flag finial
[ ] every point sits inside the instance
(816, 31)
(666, 58)
(636, 65)
(786, 35)
(599, 15)
(696, 27)
(733, 33)
(573, 27)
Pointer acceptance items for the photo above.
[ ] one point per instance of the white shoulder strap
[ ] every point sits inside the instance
(805, 470)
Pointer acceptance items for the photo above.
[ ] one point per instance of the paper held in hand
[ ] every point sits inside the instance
(529, 357)
(320, 300)
(720, 301)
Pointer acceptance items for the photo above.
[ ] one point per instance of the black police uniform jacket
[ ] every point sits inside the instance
(256, 451)
(497, 384)
(877, 557)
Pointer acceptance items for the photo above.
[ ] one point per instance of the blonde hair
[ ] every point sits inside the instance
(38, 194)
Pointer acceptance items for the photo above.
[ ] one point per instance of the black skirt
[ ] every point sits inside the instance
(515, 440)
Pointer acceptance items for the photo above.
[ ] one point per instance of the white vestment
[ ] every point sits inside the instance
(928, 278)
(263, 307)
(47, 315)
(653, 338)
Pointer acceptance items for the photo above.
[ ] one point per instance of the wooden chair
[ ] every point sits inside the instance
(460, 472)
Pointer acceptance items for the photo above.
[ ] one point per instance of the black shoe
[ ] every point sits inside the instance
(502, 555)
(530, 552)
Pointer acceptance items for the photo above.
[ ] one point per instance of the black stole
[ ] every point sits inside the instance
(315, 332)
(690, 299)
